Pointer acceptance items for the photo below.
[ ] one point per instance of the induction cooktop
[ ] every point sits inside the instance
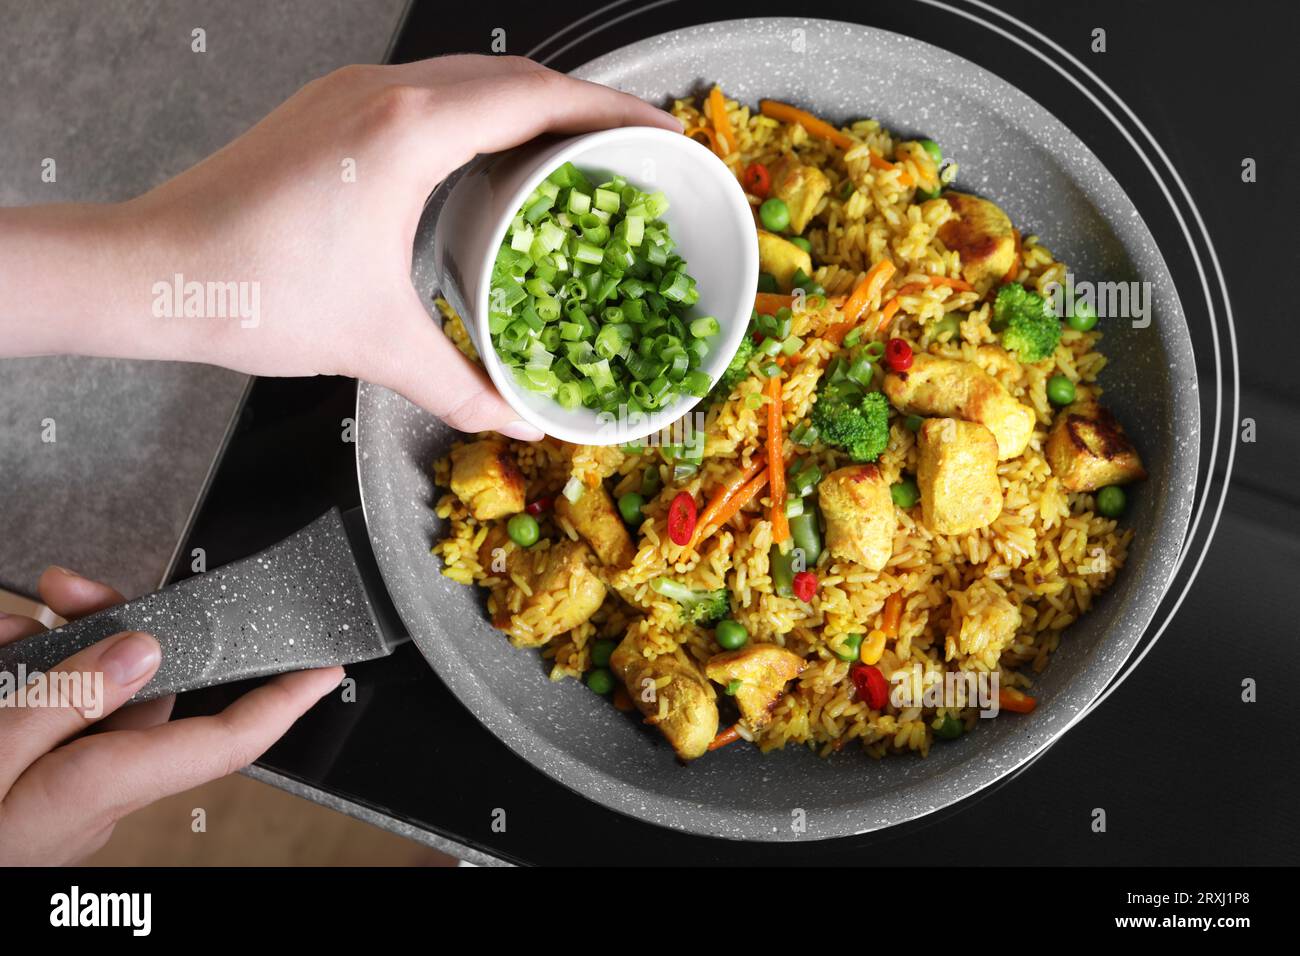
(408, 756)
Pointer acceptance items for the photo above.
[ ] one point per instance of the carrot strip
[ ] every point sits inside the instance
(768, 302)
(893, 305)
(887, 314)
(879, 162)
(892, 615)
(709, 134)
(776, 461)
(1013, 700)
(744, 496)
(868, 288)
(725, 493)
(722, 122)
(824, 130)
(1015, 263)
(728, 736)
(815, 126)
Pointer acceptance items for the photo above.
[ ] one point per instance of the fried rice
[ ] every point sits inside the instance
(1048, 554)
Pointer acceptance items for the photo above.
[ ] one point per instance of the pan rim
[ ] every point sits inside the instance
(630, 798)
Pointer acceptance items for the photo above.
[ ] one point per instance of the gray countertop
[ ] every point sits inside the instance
(113, 92)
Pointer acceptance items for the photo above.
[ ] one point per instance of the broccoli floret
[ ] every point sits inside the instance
(1029, 326)
(736, 372)
(848, 419)
(702, 608)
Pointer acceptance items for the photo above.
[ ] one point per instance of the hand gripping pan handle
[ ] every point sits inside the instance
(312, 600)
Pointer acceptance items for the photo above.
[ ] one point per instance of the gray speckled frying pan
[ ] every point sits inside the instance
(1010, 149)
(315, 599)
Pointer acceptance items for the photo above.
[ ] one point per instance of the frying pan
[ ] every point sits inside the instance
(316, 598)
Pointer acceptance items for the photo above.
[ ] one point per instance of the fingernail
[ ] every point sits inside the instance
(130, 658)
(523, 431)
(63, 570)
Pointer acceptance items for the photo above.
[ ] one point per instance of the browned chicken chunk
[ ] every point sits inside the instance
(982, 235)
(484, 476)
(763, 671)
(957, 389)
(958, 476)
(801, 188)
(672, 694)
(551, 590)
(781, 258)
(1087, 449)
(594, 517)
(859, 513)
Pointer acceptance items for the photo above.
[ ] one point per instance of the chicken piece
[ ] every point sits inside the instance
(484, 476)
(1087, 449)
(801, 188)
(763, 671)
(594, 517)
(982, 235)
(498, 554)
(684, 708)
(958, 389)
(781, 258)
(984, 622)
(958, 476)
(561, 592)
(859, 513)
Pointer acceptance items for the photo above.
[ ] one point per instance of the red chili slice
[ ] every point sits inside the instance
(757, 180)
(871, 685)
(541, 504)
(898, 355)
(805, 586)
(681, 519)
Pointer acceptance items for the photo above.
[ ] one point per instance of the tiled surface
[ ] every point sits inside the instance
(113, 92)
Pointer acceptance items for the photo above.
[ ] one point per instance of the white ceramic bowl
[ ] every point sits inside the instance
(709, 219)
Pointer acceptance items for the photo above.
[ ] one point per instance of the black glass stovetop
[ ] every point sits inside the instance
(1186, 772)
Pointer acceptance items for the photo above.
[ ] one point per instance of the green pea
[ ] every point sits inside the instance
(931, 147)
(802, 243)
(775, 215)
(600, 652)
(733, 685)
(523, 529)
(730, 635)
(1111, 501)
(600, 680)
(850, 646)
(767, 282)
(913, 423)
(905, 493)
(1083, 317)
(1060, 390)
(950, 323)
(629, 506)
(951, 728)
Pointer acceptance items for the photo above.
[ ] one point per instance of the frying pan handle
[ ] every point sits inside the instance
(300, 603)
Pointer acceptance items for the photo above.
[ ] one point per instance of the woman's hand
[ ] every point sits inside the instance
(65, 779)
(318, 205)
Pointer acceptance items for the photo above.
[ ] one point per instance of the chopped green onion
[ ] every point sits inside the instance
(704, 327)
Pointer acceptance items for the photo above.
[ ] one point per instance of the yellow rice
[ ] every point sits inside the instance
(1048, 554)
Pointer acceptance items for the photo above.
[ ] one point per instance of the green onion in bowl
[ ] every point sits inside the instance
(589, 302)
